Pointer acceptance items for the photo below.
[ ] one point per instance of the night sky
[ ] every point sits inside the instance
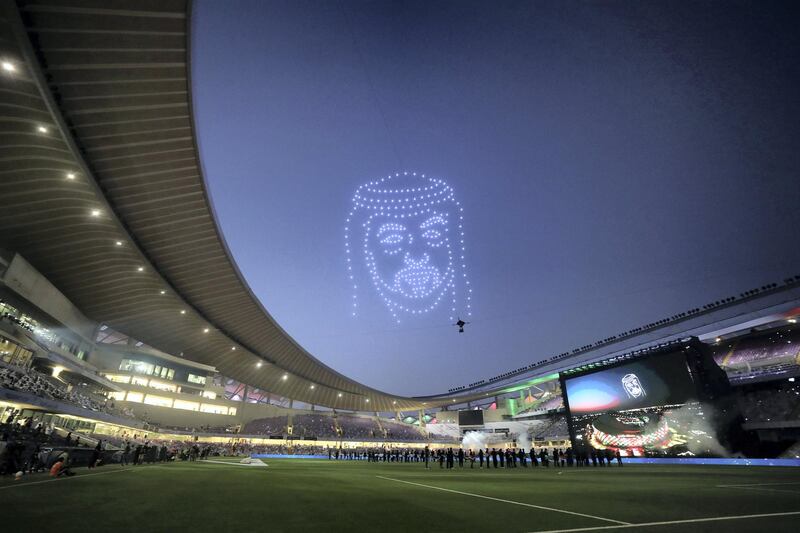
(616, 162)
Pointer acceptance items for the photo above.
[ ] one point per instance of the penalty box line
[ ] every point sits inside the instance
(540, 507)
(671, 522)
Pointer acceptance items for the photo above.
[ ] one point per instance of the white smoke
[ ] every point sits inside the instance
(524, 441)
(696, 423)
(474, 440)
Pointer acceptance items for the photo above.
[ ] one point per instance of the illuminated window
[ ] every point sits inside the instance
(216, 409)
(136, 380)
(118, 379)
(119, 396)
(210, 395)
(134, 397)
(200, 380)
(161, 401)
(189, 406)
(162, 386)
(139, 367)
(231, 410)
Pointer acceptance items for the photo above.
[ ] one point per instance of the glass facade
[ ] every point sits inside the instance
(13, 354)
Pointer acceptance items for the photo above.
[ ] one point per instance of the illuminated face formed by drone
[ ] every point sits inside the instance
(406, 231)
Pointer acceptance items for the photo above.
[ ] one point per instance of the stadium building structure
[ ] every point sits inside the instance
(113, 269)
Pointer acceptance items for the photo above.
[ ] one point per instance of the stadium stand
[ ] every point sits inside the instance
(320, 426)
(27, 380)
(358, 427)
(275, 425)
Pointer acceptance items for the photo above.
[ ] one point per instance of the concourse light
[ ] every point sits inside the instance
(313, 387)
(183, 311)
(140, 269)
(233, 348)
(41, 129)
(206, 330)
(163, 292)
(340, 395)
(95, 212)
(285, 377)
(8, 66)
(119, 243)
(258, 365)
(394, 402)
(70, 175)
(367, 400)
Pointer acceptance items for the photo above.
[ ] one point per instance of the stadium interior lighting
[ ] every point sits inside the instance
(119, 243)
(140, 269)
(258, 365)
(95, 212)
(367, 400)
(312, 387)
(233, 348)
(792, 321)
(41, 129)
(206, 330)
(70, 175)
(285, 377)
(183, 311)
(163, 292)
(340, 395)
(8, 66)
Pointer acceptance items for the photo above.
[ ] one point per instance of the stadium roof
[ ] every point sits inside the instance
(103, 191)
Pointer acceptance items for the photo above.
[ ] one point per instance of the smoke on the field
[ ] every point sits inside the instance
(475, 440)
(697, 425)
(524, 441)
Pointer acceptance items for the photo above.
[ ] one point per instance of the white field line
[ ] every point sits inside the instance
(260, 463)
(671, 522)
(761, 489)
(77, 476)
(760, 484)
(506, 501)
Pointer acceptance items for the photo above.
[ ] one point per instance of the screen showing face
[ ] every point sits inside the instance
(654, 381)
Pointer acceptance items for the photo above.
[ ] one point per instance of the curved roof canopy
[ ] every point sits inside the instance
(103, 191)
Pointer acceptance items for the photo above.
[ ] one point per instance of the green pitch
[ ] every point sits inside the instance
(318, 495)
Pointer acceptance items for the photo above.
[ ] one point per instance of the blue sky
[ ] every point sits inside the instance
(615, 163)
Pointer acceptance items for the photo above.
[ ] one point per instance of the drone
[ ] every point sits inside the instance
(460, 325)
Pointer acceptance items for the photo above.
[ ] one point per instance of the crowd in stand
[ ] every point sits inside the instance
(771, 404)
(36, 383)
(275, 425)
(320, 426)
(402, 432)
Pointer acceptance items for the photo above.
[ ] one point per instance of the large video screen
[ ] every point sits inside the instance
(470, 418)
(648, 406)
(659, 380)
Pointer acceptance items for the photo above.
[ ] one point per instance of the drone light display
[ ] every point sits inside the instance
(405, 232)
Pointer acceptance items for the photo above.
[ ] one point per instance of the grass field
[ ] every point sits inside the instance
(317, 495)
